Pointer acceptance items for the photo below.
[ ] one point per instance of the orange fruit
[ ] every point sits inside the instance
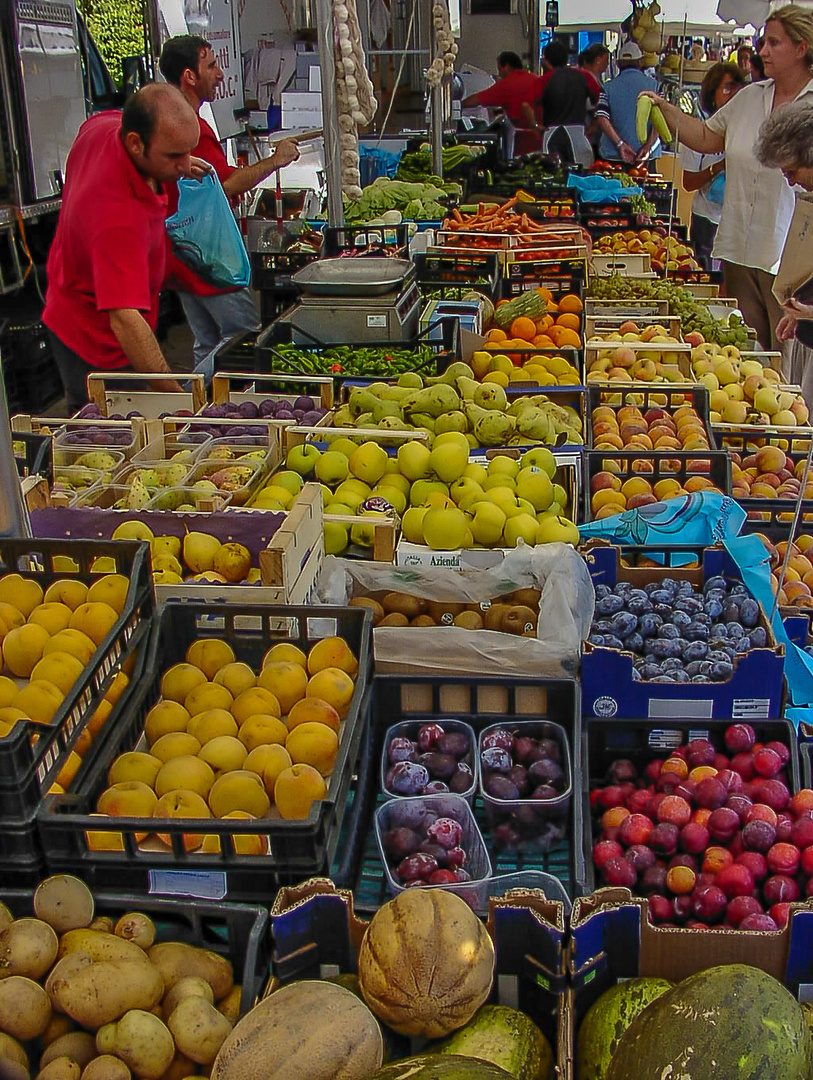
(568, 337)
(313, 744)
(570, 303)
(523, 328)
(570, 321)
(496, 335)
(544, 292)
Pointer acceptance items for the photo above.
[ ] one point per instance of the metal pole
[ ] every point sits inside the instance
(330, 115)
(14, 519)
(436, 124)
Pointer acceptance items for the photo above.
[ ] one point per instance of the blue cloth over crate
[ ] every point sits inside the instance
(601, 189)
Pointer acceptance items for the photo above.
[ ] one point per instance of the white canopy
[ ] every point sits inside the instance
(752, 11)
(702, 17)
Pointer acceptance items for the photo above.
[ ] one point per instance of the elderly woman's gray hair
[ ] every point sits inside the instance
(786, 137)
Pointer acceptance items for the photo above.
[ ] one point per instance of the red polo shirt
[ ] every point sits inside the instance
(109, 250)
(510, 94)
(208, 148)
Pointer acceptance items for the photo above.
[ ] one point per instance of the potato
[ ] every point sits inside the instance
(64, 902)
(61, 1068)
(230, 1004)
(199, 1029)
(6, 918)
(106, 1038)
(106, 1067)
(144, 1044)
(136, 927)
(27, 947)
(63, 970)
(13, 1059)
(103, 924)
(180, 1067)
(58, 1025)
(79, 1046)
(25, 1008)
(103, 992)
(99, 946)
(175, 959)
(188, 986)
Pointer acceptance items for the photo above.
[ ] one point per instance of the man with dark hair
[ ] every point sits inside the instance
(213, 313)
(514, 89)
(565, 94)
(107, 261)
(595, 59)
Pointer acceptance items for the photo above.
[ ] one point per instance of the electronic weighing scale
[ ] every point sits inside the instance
(355, 299)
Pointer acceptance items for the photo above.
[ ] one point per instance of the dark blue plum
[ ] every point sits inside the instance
(718, 582)
(713, 608)
(610, 605)
(635, 643)
(650, 671)
(717, 655)
(696, 650)
(671, 663)
(693, 668)
(602, 591)
(624, 588)
(749, 612)
(722, 671)
(670, 584)
(663, 678)
(661, 596)
(639, 605)
(681, 676)
(758, 637)
(624, 624)
(743, 644)
(664, 610)
(613, 642)
(735, 630)
(663, 648)
(692, 605)
(700, 678)
(681, 619)
(696, 632)
(602, 626)
(648, 625)
(669, 631)
(731, 611)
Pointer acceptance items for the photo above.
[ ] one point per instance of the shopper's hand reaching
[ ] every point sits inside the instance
(786, 328)
(797, 309)
(286, 151)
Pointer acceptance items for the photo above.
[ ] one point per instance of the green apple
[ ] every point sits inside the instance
(421, 489)
(283, 495)
(302, 458)
(539, 457)
(445, 529)
(487, 523)
(368, 463)
(412, 524)
(288, 479)
(339, 509)
(476, 472)
(413, 460)
(448, 460)
(499, 480)
(396, 498)
(332, 468)
(502, 465)
(534, 485)
(363, 534)
(520, 527)
(556, 529)
(337, 537)
(462, 486)
(344, 445)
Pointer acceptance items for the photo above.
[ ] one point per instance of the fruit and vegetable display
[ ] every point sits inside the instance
(86, 995)
(507, 218)
(516, 612)
(709, 834)
(196, 557)
(744, 391)
(666, 252)
(416, 165)
(694, 314)
(770, 473)
(642, 1027)
(628, 427)
(444, 500)
(535, 317)
(676, 632)
(797, 587)
(227, 741)
(430, 841)
(631, 354)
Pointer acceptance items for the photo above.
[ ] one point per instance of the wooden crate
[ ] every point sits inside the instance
(124, 392)
(224, 387)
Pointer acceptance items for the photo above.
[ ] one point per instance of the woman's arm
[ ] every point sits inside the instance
(691, 131)
(693, 181)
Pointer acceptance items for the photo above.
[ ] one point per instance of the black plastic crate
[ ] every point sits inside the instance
(650, 397)
(22, 864)
(696, 277)
(27, 768)
(297, 848)
(32, 376)
(236, 931)
(478, 702)
(237, 354)
(274, 270)
(774, 517)
(361, 240)
(449, 274)
(713, 465)
(641, 741)
(602, 215)
(559, 275)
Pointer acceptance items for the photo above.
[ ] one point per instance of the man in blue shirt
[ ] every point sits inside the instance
(617, 107)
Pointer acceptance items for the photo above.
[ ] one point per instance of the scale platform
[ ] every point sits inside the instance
(335, 320)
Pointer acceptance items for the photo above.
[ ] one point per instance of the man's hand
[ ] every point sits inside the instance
(198, 168)
(643, 153)
(798, 310)
(286, 151)
(627, 154)
(786, 328)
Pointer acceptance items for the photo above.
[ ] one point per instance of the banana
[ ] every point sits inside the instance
(642, 117)
(660, 125)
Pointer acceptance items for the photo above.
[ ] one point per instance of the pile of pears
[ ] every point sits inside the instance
(457, 402)
(197, 557)
(444, 500)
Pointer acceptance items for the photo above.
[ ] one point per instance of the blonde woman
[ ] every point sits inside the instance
(758, 204)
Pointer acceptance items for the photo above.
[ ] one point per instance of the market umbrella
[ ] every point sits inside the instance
(744, 11)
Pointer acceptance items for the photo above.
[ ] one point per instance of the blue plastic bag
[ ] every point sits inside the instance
(716, 191)
(205, 236)
(601, 189)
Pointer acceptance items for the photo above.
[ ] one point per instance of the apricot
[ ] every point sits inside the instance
(182, 803)
(605, 479)
(188, 772)
(664, 488)
(770, 459)
(262, 729)
(211, 724)
(609, 441)
(135, 765)
(210, 655)
(180, 680)
(699, 483)
(95, 619)
(286, 651)
(332, 652)
(117, 687)
(607, 511)
(286, 680)
(244, 843)
(333, 686)
(99, 718)
(236, 677)
(267, 756)
(643, 465)
(607, 497)
(313, 744)
(129, 799)
(165, 717)
(175, 744)
(70, 768)
(313, 710)
(239, 790)
(296, 789)
(53, 617)
(254, 701)
(102, 840)
(207, 696)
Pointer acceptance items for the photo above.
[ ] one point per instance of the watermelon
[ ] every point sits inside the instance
(731, 1022)
(441, 1067)
(608, 1019)
(505, 1037)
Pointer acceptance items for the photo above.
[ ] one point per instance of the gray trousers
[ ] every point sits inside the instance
(215, 319)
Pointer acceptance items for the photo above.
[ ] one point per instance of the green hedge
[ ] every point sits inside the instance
(117, 27)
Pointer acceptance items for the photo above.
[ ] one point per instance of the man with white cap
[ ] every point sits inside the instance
(617, 107)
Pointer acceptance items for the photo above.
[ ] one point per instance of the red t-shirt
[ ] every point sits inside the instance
(109, 250)
(208, 148)
(510, 94)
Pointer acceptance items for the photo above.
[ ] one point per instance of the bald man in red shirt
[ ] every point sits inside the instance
(107, 261)
(214, 314)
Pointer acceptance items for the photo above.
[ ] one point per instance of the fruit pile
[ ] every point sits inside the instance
(457, 402)
(425, 848)
(693, 313)
(767, 474)
(445, 501)
(304, 410)
(48, 639)
(82, 993)
(743, 391)
(197, 557)
(709, 837)
(552, 324)
(225, 741)
(676, 633)
(492, 364)
(628, 428)
(625, 361)
(798, 584)
(516, 612)
(522, 775)
(665, 252)
(435, 762)
(611, 494)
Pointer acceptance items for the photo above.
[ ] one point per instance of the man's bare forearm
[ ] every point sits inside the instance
(140, 346)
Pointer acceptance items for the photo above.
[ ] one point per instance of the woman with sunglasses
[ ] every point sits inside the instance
(701, 170)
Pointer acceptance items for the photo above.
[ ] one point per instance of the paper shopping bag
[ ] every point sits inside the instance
(796, 265)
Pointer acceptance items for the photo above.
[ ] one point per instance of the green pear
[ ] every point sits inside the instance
(556, 529)
(495, 428)
(445, 530)
(368, 462)
(534, 485)
(467, 388)
(302, 458)
(361, 400)
(412, 524)
(332, 468)
(471, 438)
(539, 458)
(337, 537)
(453, 372)
(392, 423)
(411, 380)
(423, 420)
(535, 424)
(366, 420)
(451, 421)
(520, 527)
(491, 396)
(384, 408)
(421, 489)
(435, 400)
(487, 523)
(343, 417)
(395, 393)
(413, 460)
(448, 460)
(199, 551)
